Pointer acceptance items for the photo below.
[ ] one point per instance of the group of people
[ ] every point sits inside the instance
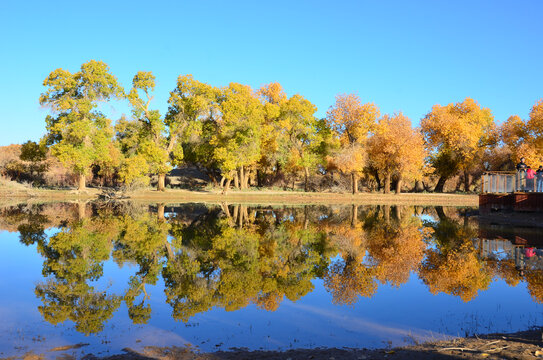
(529, 179)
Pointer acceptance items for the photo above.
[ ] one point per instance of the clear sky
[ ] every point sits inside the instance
(402, 55)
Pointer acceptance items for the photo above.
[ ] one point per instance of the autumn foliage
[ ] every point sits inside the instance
(246, 137)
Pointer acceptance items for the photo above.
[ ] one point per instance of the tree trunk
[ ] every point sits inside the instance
(169, 249)
(81, 210)
(226, 210)
(226, 186)
(441, 214)
(396, 211)
(258, 178)
(386, 210)
(82, 182)
(306, 217)
(419, 186)
(378, 179)
(245, 213)
(466, 181)
(354, 182)
(399, 185)
(241, 178)
(213, 179)
(440, 184)
(387, 183)
(247, 179)
(161, 182)
(236, 179)
(160, 212)
(354, 215)
(223, 179)
(235, 213)
(306, 179)
(241, 217)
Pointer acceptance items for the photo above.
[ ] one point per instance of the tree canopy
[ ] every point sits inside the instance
(79, 134)
(265, 137)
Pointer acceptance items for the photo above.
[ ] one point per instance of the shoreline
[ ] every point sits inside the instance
(519, 345)
(268, 197)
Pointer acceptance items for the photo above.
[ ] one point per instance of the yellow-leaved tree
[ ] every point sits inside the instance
(521, 139)
(534, 127)
(456, 137)
(396, 149)
(272, 97)
(79, 134)
(351, 122)
(237, 140)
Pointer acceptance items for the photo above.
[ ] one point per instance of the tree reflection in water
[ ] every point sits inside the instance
(230, 256)
(453, 265)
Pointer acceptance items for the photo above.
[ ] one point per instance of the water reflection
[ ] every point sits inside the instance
(230, 256)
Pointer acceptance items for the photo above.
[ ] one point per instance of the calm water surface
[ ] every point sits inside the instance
(219, 277)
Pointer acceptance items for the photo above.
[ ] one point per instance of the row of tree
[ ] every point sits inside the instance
(237, 134)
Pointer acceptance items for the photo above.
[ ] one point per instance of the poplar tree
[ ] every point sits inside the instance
(191, 103)
(301, 138)
(78, 133)
(155, 140)
(351, 122)
(149, 130)
(238, 139)
(396, 149)
(456, 137)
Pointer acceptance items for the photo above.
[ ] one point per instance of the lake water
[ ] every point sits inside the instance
(237, 276)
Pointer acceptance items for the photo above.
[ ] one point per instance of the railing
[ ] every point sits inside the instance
(500, 182)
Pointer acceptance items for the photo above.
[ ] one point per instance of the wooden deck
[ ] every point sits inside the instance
(518, 201)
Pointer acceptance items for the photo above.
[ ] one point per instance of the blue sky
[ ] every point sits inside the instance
(402, 55)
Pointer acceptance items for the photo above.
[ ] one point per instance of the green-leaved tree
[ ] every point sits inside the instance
(78, 133)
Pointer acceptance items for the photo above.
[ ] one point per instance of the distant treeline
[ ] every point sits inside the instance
(244, 137)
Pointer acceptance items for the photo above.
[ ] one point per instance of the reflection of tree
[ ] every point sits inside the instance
(453, 266)
(395, 244)
(143, 239)
(261, 260)
(505, 269)
(73, 257)
(349, 278)
(383, 247)
(28, 220)
(233, 256)
(291, 253)
(32, 232)
(534, 281)
(78, 302)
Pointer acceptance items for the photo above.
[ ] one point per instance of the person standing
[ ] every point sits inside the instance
(521, 174)
(539, 179)
(530, 179)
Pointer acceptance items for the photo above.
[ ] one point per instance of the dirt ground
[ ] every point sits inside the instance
(17, 191)
(294, 197)
(521, 345)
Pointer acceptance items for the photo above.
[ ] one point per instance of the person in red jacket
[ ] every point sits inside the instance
(530, 179)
